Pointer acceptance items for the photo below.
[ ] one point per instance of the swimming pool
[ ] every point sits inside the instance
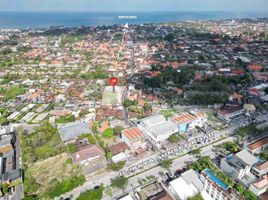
(216, 179)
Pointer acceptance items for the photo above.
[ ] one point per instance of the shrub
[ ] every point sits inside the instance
(117, 166)
(92, 194)
(108, 133)
(66, 186)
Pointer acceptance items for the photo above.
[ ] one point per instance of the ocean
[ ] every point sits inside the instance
(23, 20)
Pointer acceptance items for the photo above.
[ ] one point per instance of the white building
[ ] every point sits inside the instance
(228, 113)
(260, 186)
(157, 128)
(188, 185)
(239, 166)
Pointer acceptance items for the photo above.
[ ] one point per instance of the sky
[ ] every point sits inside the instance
(135, 5)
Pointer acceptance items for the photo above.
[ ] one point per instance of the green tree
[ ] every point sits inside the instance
(92, 194)
(118, 130)
(108, 133)
(174, 138)
(166, 163)
(117, 166)
(5, 188)
(119, 182)
(147, 106)
(72, 148)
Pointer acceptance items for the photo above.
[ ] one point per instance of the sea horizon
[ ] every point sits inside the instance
(46, 19)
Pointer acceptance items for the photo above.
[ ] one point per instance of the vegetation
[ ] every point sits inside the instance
(11, 92)
(128, 103)
(248, 130)
(118, 130)
(98, 74)
(66, 185)
(166, 163)
(117, 166)
(92, 194)
(230, 146)
(264, 155)
(196, 197)
(72, 148)
(108, 133)
(147, 106)
(4, 188)
(43, 143)
(196, 152)
(174, 138)
(204, 163)
(65, 119)
(119, 182)
(245, 193)
(91, 139)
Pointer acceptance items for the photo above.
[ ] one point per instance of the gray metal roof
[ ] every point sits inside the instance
(73, 130)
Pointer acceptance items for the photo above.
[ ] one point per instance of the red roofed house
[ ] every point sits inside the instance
(259, 145)
(90, 157)
(134, 138)
(260, 169)
(87, 152)
(228, 113)
(259, 187)
(119, 148)
(255, 67)
(254, 91)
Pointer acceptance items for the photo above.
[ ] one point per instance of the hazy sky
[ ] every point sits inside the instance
(134, 5)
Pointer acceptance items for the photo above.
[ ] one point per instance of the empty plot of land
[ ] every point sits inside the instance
(46, 170)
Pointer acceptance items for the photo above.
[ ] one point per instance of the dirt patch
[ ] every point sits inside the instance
(44, 172)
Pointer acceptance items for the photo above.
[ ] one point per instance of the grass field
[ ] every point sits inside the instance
(46, 171)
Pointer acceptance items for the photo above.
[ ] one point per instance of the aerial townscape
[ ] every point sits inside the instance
(157, 111)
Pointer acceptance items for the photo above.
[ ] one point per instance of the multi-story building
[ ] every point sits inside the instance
(135, 139)
(216, 189)
(229, 113)
(239, 166)
(190, 120)
(157, 128)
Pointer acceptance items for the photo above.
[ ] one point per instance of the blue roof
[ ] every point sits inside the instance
(215, 179)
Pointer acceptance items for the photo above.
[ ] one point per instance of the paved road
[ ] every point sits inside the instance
(104, 178)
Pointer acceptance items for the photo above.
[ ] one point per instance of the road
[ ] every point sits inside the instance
(105, 178)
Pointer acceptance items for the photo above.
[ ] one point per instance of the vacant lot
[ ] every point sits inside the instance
(44, 172)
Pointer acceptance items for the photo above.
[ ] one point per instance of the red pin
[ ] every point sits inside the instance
(113, 82)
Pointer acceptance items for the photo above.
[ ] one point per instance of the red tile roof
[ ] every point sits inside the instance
(258, 143)
(87, 151)
(263, 166)
(255, 67)
(118, 148)
(133, 133)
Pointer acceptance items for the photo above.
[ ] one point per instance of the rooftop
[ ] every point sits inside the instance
(72, 130)
(215, 179)
(133, 133)
(118, 148)
(258, 143)
(87, 151)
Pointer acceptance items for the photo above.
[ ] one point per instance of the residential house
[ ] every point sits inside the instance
(135, 139)
(258, 146)
(239, 166)
(259, 186)
(229, 113)
(90, 157)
